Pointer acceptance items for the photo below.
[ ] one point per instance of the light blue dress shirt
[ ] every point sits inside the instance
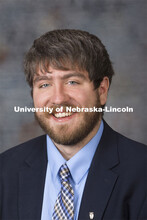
(78, 165)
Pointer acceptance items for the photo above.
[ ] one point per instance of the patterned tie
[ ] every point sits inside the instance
(64, 206)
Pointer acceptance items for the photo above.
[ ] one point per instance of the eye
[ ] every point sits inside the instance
(44, 85)
(72, 82)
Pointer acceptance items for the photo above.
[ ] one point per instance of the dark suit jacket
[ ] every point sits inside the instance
(115, 188)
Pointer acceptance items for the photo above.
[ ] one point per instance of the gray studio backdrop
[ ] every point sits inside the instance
(120, 24)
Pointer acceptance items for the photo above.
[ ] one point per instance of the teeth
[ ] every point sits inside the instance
(62, 115)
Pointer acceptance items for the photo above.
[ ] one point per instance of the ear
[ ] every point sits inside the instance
(103, 90)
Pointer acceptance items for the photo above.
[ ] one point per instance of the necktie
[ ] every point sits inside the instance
(64, 206)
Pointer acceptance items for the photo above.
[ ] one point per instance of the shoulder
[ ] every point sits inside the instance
(131, 148)
(124, 144)
(17, 154)
(132, 159)
(130, 152)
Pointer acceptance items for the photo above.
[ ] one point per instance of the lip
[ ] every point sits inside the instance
(64, 119)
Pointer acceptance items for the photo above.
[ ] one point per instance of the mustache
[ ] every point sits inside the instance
(62, 107)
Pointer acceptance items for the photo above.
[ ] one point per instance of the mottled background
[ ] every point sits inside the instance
(120, 24)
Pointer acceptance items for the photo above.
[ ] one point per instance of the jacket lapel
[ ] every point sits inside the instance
(31, 182)
(101, 179)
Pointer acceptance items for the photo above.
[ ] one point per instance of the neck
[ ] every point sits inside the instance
(68, 151)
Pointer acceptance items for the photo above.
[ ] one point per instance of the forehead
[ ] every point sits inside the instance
(52, 72)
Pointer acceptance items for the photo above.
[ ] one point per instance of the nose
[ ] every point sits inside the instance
(59, 95)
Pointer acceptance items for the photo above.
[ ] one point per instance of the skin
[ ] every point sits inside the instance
(69, 88)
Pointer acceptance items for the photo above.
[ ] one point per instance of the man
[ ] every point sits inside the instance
(81, 169)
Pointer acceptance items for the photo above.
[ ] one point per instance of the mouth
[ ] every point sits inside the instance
(63, 116)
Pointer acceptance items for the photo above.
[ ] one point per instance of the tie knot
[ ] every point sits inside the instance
(64, 172)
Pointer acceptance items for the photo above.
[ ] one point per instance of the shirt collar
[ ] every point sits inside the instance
(55, 159)
(79, 164)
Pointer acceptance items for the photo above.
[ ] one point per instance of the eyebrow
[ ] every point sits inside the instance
(73, 74)
(39, 78)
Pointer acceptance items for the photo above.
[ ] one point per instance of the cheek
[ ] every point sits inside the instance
(80, 100)
(86, 98)
(39, 99)
(80, 95)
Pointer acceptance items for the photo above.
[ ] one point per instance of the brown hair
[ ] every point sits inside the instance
(69, 49)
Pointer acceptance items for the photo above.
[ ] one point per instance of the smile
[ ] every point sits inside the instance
(63, 114)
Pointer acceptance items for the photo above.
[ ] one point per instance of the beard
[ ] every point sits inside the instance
(61, 134)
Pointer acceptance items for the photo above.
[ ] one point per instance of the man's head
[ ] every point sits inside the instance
(68, 68)
(69, 49)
